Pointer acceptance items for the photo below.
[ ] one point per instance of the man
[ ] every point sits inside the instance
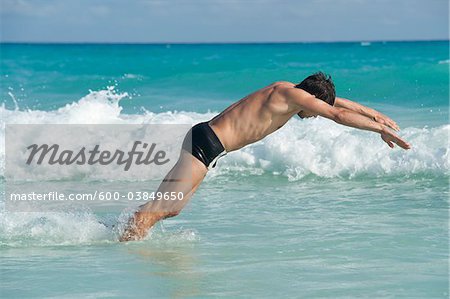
(247, 121)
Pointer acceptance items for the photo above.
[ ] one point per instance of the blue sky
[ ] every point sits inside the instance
(222, 20)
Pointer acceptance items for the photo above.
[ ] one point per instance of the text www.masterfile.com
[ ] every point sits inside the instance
(96, 196)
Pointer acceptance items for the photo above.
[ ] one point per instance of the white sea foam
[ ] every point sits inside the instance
(40, 229)
(49, 229)
(132, 76)
(321, 148)
(302, 147)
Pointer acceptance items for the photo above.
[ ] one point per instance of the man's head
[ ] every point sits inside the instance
(319, 85)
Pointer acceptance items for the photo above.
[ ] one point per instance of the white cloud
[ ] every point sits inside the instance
(222, 20)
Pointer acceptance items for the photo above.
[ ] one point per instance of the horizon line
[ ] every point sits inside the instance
(218, 42)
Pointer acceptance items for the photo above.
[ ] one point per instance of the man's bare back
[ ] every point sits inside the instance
(267, 109)
(247, 121)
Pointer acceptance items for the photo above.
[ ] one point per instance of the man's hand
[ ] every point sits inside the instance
(390, 138)
(384, 120)
(350, 114)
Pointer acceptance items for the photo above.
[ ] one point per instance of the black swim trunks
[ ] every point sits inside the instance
(206, 146)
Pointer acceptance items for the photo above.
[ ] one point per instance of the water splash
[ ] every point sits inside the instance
(310, 147)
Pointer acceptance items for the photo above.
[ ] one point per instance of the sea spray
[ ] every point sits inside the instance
(302, 147)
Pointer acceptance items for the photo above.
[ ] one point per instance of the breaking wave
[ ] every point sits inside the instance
(302, 147)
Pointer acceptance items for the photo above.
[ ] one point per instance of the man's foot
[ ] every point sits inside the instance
(138, 226)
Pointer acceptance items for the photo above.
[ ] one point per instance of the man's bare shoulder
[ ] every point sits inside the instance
(286, 84)
(292, 94)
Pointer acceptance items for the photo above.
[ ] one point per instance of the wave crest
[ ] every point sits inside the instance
(302, 147)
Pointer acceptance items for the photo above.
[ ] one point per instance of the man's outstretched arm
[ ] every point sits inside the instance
(345, 117)
(366, 111)
(353, 119)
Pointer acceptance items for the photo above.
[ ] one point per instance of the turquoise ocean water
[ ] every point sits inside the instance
(316, 210)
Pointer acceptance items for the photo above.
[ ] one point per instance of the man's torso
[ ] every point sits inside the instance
(254, 117)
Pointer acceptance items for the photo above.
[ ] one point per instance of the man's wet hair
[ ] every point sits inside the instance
(321, 86)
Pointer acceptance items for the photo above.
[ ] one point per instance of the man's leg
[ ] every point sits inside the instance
(184, 177)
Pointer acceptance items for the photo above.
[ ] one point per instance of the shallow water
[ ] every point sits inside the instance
(312, 238)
